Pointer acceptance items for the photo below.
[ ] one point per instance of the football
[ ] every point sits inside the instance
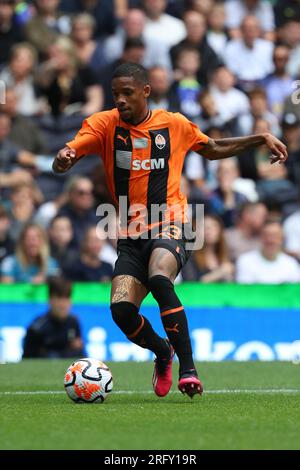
(88, 381)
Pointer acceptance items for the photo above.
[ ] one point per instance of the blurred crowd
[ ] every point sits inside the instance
(232, 67)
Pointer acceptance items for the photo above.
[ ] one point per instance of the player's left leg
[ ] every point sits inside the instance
(163, 268)
(127, 294)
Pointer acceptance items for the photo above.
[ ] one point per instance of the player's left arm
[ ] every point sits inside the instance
(228, 147)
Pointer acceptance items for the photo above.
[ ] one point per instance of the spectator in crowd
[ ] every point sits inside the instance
(217, 36)
(89, 51)
(10, 31)
(60, 237)
(160, 25)
(279, 84)
(24, 199)
(46, 25)
(31, 262)
(19, 74)
(134, 51)
(210, 115)
(88, 266)
(6, 243)
(289, 34)
(237, 10)
(24, 133)
(68, 87)
(55, 334)
(211, 263)
(291, 138)
(225, 201)
(105, 12)
(249, 57)
(11, 159)
(230, 102)
(162, 97)
(186, 87)
(133, 26)
(196, 28)
(80, 207)
(258, 110)
(268, 265)
(273, 186)
(245, 235)
(49, 210)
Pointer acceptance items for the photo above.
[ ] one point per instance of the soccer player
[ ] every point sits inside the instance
(143, 153)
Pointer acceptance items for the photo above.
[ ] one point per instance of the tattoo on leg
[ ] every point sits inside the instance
(122, 290)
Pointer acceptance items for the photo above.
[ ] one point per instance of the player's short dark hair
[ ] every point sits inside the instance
(130, 69)
(59, 287)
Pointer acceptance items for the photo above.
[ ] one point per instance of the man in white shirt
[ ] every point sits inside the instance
(230, 101)
(133, 26)
(269, 265)
(250, 58)
(168, 29)
(236, 10)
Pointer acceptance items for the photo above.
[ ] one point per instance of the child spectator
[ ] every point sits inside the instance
(88, 266)
(55, 334)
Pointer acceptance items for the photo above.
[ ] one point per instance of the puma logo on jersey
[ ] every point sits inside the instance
(174, 328)
(151, 164)
(122, 138)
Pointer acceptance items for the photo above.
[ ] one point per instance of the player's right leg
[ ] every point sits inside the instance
(127, 295)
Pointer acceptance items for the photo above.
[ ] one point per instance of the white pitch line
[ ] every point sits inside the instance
(133, 392)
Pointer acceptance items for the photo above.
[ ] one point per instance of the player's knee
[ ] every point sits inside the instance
(160, 286)
(124, 314)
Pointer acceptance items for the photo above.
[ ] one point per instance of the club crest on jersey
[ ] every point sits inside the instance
(160, 141)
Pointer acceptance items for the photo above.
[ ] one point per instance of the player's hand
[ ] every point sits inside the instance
(64, 160)
(278, 149)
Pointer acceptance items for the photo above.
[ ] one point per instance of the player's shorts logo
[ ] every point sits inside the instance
(160, 141)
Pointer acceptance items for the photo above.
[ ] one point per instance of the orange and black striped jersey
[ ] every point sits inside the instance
(142, 162)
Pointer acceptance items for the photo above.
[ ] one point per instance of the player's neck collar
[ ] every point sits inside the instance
(146, 118)
(143, 121)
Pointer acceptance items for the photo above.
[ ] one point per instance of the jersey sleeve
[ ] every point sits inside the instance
(191, 134)
(91, 136)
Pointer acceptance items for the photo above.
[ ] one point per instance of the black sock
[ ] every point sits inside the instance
(138, 329)
(174, 320)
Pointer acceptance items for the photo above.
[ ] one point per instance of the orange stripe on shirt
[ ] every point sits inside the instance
(172, 310)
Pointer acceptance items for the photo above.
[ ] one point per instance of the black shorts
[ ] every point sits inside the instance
(134, 254)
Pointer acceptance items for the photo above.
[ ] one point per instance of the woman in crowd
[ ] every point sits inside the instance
(68, 86)
(210, 263)
(31, 262)
(19, 75)
(88, 50)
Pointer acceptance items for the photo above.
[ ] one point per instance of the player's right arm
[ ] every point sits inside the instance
(89, 140)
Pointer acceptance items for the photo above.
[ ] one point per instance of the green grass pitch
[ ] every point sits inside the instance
(245, 406)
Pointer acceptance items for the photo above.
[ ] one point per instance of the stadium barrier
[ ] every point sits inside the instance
(227, 321)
